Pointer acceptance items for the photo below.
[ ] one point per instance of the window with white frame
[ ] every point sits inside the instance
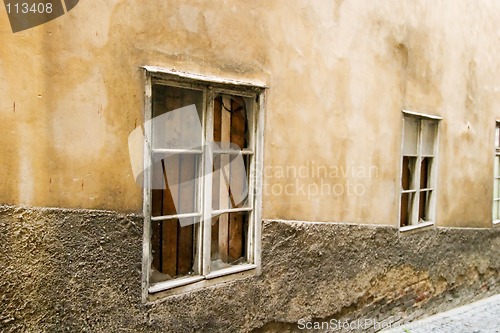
(418, 170)
(203, 146)
(496, 180)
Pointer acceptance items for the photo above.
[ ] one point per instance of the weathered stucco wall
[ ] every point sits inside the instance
(79, 271)
(339, 74)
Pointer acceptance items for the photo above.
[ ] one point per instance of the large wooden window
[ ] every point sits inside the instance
(202, 193)
(418, 171)
(496, 181)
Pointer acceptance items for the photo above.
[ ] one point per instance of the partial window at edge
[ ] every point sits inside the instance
(496, 176)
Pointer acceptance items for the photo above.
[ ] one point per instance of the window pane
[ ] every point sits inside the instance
(425, 172)
(497, 136)
(175, 184)
(230, 181)
(497, 166)
(496, 189)
(156, 251)
(188, 184)
(410, 136)
(423, 206)
(428, 137)
(231, 118)
(171, 173)
(176, 119)
(173, 249)
(229, 240)
(406, 208)
(496, 213)
(407, 177)
(158, 189)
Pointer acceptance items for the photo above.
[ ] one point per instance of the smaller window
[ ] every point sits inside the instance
(496, 179)
(418, 171)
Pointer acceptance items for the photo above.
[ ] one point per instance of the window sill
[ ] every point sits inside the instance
(171, 284)
(421, 115)
(496, 222)
(160, 286)
(417, 226)
(230, 270)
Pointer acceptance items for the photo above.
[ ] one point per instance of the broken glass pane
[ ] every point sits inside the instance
(423, 206)
(406, 209)
(425, 172)
(173, 248)
(407, 177)
(229, 240)
(230, 181)
(231, 118)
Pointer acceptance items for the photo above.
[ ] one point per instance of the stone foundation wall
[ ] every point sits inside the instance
(80, 270)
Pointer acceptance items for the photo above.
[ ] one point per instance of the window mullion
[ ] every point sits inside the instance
(258, 160)
(146, 268)
(416, 175)
(207, 176)
(201, 186)
(252, 180)
(254, 145)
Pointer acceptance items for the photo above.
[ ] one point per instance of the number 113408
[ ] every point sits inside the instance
(26, 8)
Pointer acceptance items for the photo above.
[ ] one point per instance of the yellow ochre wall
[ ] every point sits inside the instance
(339, 73)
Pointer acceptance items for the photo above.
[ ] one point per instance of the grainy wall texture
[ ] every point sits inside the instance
(79, 271)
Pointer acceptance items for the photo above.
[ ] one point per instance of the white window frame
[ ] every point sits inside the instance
(211, 86)
(414, 223)
(496, 175)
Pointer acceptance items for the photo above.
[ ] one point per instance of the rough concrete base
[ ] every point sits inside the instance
(78, 270)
